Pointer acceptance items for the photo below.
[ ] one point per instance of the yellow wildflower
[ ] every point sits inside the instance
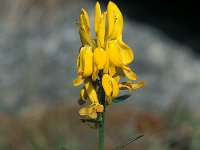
(106, 53)
(111, 87)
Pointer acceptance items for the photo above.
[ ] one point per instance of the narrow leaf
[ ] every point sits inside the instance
(121, 98)
(128, 142)
(90, 120)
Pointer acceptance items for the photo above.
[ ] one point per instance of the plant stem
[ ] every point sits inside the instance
(101, 132)
(102, 114)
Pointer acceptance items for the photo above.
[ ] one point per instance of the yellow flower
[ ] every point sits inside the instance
(106, 53)
(111, 87)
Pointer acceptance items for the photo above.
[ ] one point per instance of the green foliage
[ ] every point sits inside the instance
(121, 98)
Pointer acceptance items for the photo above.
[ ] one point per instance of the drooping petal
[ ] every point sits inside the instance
(138, 85)
(100, 57)
(83, 94)
(87, 61)
(78, 81)
(115, 87)
(91, 91)
(111, 87)
(93, 115)
(97, 17)
(126, 53)
(114, 53)
(107, 84)
(88, 111)
(124, 86)
(99, 108)
(101, 31)
(128, 73)
(131, 86)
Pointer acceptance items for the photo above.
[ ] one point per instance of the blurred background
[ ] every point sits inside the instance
(39, 44)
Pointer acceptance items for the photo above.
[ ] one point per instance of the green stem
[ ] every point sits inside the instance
(101, 133)
(101, 115)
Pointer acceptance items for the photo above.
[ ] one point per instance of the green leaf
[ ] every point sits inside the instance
(121, 98)
(128, 142)
(90, 120)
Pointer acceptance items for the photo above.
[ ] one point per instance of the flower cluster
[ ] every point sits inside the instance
(107, 54)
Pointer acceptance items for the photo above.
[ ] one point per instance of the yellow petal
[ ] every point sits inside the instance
(124, 86)
(88, 111)
(97, 17)
(87, 61)
(126, 53)
(131, 86)
(84, 18)
(128, 73)
(83, 93)
(110, 16)
(80, 61)
(107, 84)
(117, 77)
(118, 25)
(93, 115)
(95, 73)
(111, 87)
(86, 38)
(138, 85)
(114, 53)
(112, 70)
(115, 87)
(84, 29)
(91, 91)
(115, 21)
(100, 57)
(106, 68)
(99, 108)
(101, 31)
(78, 81)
